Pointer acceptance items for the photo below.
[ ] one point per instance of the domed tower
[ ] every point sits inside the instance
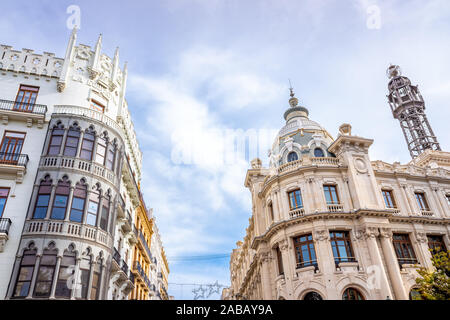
(300, 137)
(408, 107)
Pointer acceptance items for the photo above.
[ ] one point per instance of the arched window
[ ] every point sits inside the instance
(312, 296)
(61, 198)
(87, 146)
(85, 271)
(96, 277)
(292, 156)
(73, 137)
(105, 212)
(56, 139)
(78, 202)
(111, 155)
(66, 271)
(25, 275)
(101, 149)
(45, 273)
(43, 198)
(94, 199)
(352, 294)
(318, 153)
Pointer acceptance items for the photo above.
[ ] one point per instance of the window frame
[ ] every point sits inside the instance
(327, 188)
(389, 201)
(81, 188)
(97, 106)
(87, 137)
(52, 136)
(352, 291)
(292, 153)
(31, 266)
(24, 88)
(298, 250)
(399, 247)
(61, 192)
(279, 261)
(347, 242)
(72, 129)
(6, 156)
(318, 149)
(295, 199)
(3, 205)
(46, 183)
(436, 245)
(104, 146)
(422, 201)
(52, 267)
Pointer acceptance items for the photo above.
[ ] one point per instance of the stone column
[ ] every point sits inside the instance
(69, 204)
(91, 273)
(33, 201)
(325, 260)
(264, 260)
(33, 279)
(288, 267)
(437, 200)
(50, 202)
(409, 209)
(80, 142)
(392, 264)
(86, 206)
(14, 276)
(376, 271)
(76, 285)
(420, 238)
(442, 197)
(55, 277)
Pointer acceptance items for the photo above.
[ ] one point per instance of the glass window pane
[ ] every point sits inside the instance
(91, 219)
(22, 289)
(40, 212)
(43, 200)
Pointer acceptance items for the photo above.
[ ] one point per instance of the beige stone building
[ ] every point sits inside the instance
(329, 223)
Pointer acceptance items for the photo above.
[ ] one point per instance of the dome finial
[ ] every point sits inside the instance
(293, 101)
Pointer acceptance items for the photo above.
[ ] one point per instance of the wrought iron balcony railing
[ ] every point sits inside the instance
(5, 224)
(124, 267)
(23, 107)
(15, 159)
(116, 256)
(144, 242)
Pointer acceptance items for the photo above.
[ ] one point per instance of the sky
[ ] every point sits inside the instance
(201, 68)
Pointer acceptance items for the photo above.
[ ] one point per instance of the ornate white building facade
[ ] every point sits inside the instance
(70, 168)
(329, 223)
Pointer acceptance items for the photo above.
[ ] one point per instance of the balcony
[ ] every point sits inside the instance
(295, 213)
(127, 226)
(335, 207)
(137, 269)
(23, 111)
(14, 163)
(121, 209)
(5, 224)
(145, 246)
(115, 266)
(427, 213)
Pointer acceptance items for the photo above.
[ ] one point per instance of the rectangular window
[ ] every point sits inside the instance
(95, 283)
(40, 211)
(422, 201)
(97, 106)
(11, 146)
(87, 146)
(388, 199)
(295, 199)
(341, 246)
(84, 282)
(110, 157)
(101, 151)
(331, 194)
(403, 249)
(92, 209)
(45, 275)
(59, 207)
(105, 214)
(66, 271)
(304, 251)
(76, 213)
(279, 261)
(4, 192)
(26, 270)
(26, 98)
(55, 141)
(436, 243)
(70, 149)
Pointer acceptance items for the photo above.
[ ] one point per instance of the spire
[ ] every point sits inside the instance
(115, 64)
(293, 101)
(98, 49)
(295, 110)
(67, 60)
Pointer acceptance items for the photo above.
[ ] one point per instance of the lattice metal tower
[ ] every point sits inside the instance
(408, 107)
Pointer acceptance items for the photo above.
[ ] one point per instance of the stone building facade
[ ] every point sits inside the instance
(70, 168)
(329, 223)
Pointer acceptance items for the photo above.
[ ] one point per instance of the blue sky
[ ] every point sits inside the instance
(196, 66)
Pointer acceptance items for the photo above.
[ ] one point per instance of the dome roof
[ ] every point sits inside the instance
(300, 137)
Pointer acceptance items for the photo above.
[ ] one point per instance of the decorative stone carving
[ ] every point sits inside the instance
(321, 235)
(60, 86)
(283, 245)
(421, 237)
(386, 233)
(368, 232)
(256, 163)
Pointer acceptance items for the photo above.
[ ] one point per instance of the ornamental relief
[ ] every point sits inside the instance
(321, 235)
